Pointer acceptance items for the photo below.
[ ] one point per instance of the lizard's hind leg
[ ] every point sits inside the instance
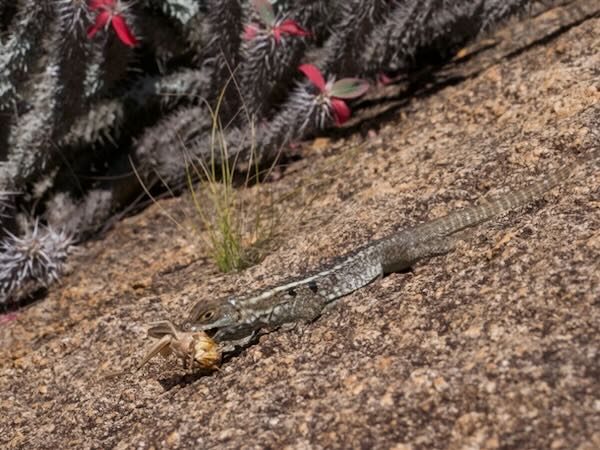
(433, 247)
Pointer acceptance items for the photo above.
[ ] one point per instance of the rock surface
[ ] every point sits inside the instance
(492, 346)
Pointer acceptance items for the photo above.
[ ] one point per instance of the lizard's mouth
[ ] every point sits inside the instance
(211, 332)
(194, 328)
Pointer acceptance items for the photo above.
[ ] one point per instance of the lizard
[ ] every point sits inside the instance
(235, 322)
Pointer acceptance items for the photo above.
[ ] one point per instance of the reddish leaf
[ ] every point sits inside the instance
(291, 27)
(384, 79)
(101, 20)
(123, 31)
(250, 32)
(265, 11)
(314, 75)
(349, 88)
(341, 112)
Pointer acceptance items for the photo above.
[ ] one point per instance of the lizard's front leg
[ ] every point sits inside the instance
(233, 344)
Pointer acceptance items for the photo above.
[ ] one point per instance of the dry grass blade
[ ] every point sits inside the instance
(238, 222)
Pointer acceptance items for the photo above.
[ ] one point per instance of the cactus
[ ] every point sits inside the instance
(33, 260)
(86, 86)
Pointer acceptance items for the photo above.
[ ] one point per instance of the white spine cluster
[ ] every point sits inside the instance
(36, 259)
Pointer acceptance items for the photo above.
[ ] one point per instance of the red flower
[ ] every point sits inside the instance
(250, 31)
(111, 12)
(333, 92)
(267, 16)
(290, 27)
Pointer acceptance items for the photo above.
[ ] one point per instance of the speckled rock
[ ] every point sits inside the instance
(492, 346)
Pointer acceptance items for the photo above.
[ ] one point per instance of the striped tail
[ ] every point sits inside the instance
(471, 216)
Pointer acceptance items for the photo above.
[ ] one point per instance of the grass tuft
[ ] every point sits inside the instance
(239, 220)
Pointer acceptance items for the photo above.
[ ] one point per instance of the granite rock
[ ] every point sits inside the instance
(492, 346)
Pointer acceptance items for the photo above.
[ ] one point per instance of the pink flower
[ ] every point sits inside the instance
(7, 318)
(384, 80)
(334, 92)
(111, 12)
(273, 26)
(250, 31)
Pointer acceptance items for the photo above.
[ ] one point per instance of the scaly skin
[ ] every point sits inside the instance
(235, 321)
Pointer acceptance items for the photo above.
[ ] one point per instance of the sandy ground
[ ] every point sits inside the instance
(492, 346)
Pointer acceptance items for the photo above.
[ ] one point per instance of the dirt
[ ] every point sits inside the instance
(494, 345)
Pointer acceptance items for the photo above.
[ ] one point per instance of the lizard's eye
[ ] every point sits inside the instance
(208, 315)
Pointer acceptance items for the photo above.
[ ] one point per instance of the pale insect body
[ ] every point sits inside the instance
(195, 349)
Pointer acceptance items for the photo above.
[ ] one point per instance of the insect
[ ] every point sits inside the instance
(193, 348)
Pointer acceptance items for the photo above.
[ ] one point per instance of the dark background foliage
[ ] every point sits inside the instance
(77, 111)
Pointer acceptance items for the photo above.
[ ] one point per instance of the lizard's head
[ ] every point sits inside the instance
(211, 315)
